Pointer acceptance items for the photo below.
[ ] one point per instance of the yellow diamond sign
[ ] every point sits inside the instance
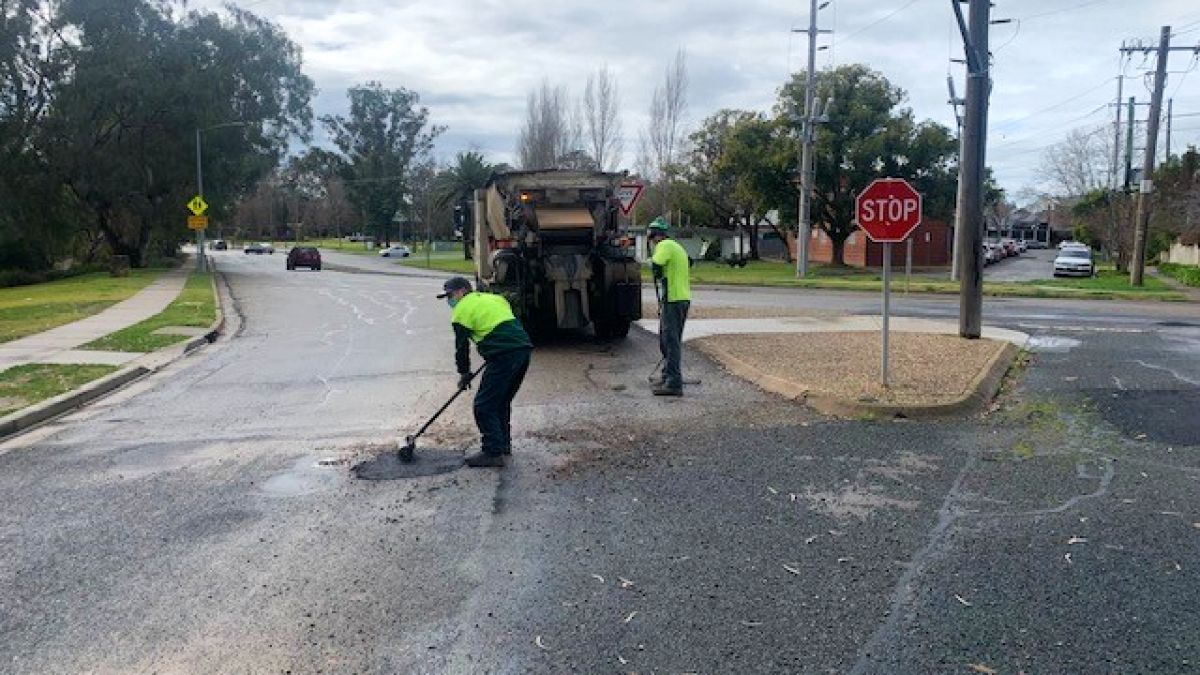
(197, 206)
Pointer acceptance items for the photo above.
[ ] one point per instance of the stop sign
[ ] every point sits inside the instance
(888, 210)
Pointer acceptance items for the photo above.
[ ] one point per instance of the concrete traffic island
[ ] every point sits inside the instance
(837, 372)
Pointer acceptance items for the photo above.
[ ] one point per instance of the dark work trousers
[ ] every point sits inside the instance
(670, 341)
(493, 402)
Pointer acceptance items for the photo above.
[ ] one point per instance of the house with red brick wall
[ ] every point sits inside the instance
(931, 247)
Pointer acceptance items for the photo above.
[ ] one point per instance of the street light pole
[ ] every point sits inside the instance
(200, 263)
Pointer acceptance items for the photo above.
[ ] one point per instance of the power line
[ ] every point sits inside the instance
(1062, 125)
(871, 25)
(1105, 83)
(1061, 10)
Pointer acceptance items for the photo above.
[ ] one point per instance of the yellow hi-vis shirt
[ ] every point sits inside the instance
(670, 256)
(487, 320)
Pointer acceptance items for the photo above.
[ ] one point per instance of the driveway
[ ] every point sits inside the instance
(1032, 265)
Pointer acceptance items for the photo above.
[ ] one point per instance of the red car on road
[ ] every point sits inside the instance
(304, 256)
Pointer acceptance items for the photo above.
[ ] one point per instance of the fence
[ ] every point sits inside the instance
(1182, 255)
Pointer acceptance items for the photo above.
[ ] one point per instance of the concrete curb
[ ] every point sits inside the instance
(36, 414)
(50, 408)
(980, 392)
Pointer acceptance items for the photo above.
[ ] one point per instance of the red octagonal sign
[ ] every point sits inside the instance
(888, 210)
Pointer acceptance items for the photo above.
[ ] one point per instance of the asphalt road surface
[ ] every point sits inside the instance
(1032, 265)
(208, 519)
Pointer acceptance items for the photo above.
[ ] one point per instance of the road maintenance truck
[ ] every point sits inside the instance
(554, 243)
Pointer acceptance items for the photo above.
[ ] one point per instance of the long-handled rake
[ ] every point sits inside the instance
(407, 452)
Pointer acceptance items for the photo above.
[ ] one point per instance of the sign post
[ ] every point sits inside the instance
(888, 211)
(887, 302)
(198, 221)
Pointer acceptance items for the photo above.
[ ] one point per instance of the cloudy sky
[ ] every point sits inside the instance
(473, 63)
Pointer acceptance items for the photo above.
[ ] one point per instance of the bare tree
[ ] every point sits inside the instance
(601, 103)
(1078, 164)
(548, 131)
(664, 135)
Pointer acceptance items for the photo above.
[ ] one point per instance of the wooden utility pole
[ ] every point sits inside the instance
(971, 166)
(1138, 264)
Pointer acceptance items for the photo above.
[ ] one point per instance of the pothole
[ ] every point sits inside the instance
(305, 477)
(426, 462)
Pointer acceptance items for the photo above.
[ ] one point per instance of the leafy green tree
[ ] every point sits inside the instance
(139, 80)
(385, 136)
(36, 224)
(869, 135)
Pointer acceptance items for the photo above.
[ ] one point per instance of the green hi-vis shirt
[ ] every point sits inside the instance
(671, 257)
(487, 320)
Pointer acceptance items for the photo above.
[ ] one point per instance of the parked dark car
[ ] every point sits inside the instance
(304, 256)
(220, 245)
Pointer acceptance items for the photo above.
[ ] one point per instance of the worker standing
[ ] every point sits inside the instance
(487, 320)
(671, 266)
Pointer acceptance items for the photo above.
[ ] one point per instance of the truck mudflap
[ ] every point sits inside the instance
(570, 275)
(622, 289)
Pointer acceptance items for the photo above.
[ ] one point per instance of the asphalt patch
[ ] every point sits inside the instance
(1163, 415)
(427, 462)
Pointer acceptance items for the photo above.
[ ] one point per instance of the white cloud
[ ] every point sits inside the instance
(473, 63)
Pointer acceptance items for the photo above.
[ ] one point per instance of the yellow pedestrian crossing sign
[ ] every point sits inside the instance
(197, 206)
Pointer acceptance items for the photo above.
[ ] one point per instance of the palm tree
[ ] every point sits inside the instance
(469, 172)
(458, 183)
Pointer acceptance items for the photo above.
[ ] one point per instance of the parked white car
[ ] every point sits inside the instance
(395, 251)
(1074, 261)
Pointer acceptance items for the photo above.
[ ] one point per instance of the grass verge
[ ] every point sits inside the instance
(25, 310)
(23, 386)
(195, 307)
(1108, 285)
(1188, 275)
(445, 261)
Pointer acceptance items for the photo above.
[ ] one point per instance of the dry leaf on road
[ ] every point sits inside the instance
(980, 668)
(791, 569)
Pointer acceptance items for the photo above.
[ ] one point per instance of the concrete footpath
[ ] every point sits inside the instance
(60, 345)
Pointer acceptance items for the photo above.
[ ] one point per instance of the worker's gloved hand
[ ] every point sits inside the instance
(464, 381)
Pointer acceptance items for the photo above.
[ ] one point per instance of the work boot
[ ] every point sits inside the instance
(483, 459)
(664, 390)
